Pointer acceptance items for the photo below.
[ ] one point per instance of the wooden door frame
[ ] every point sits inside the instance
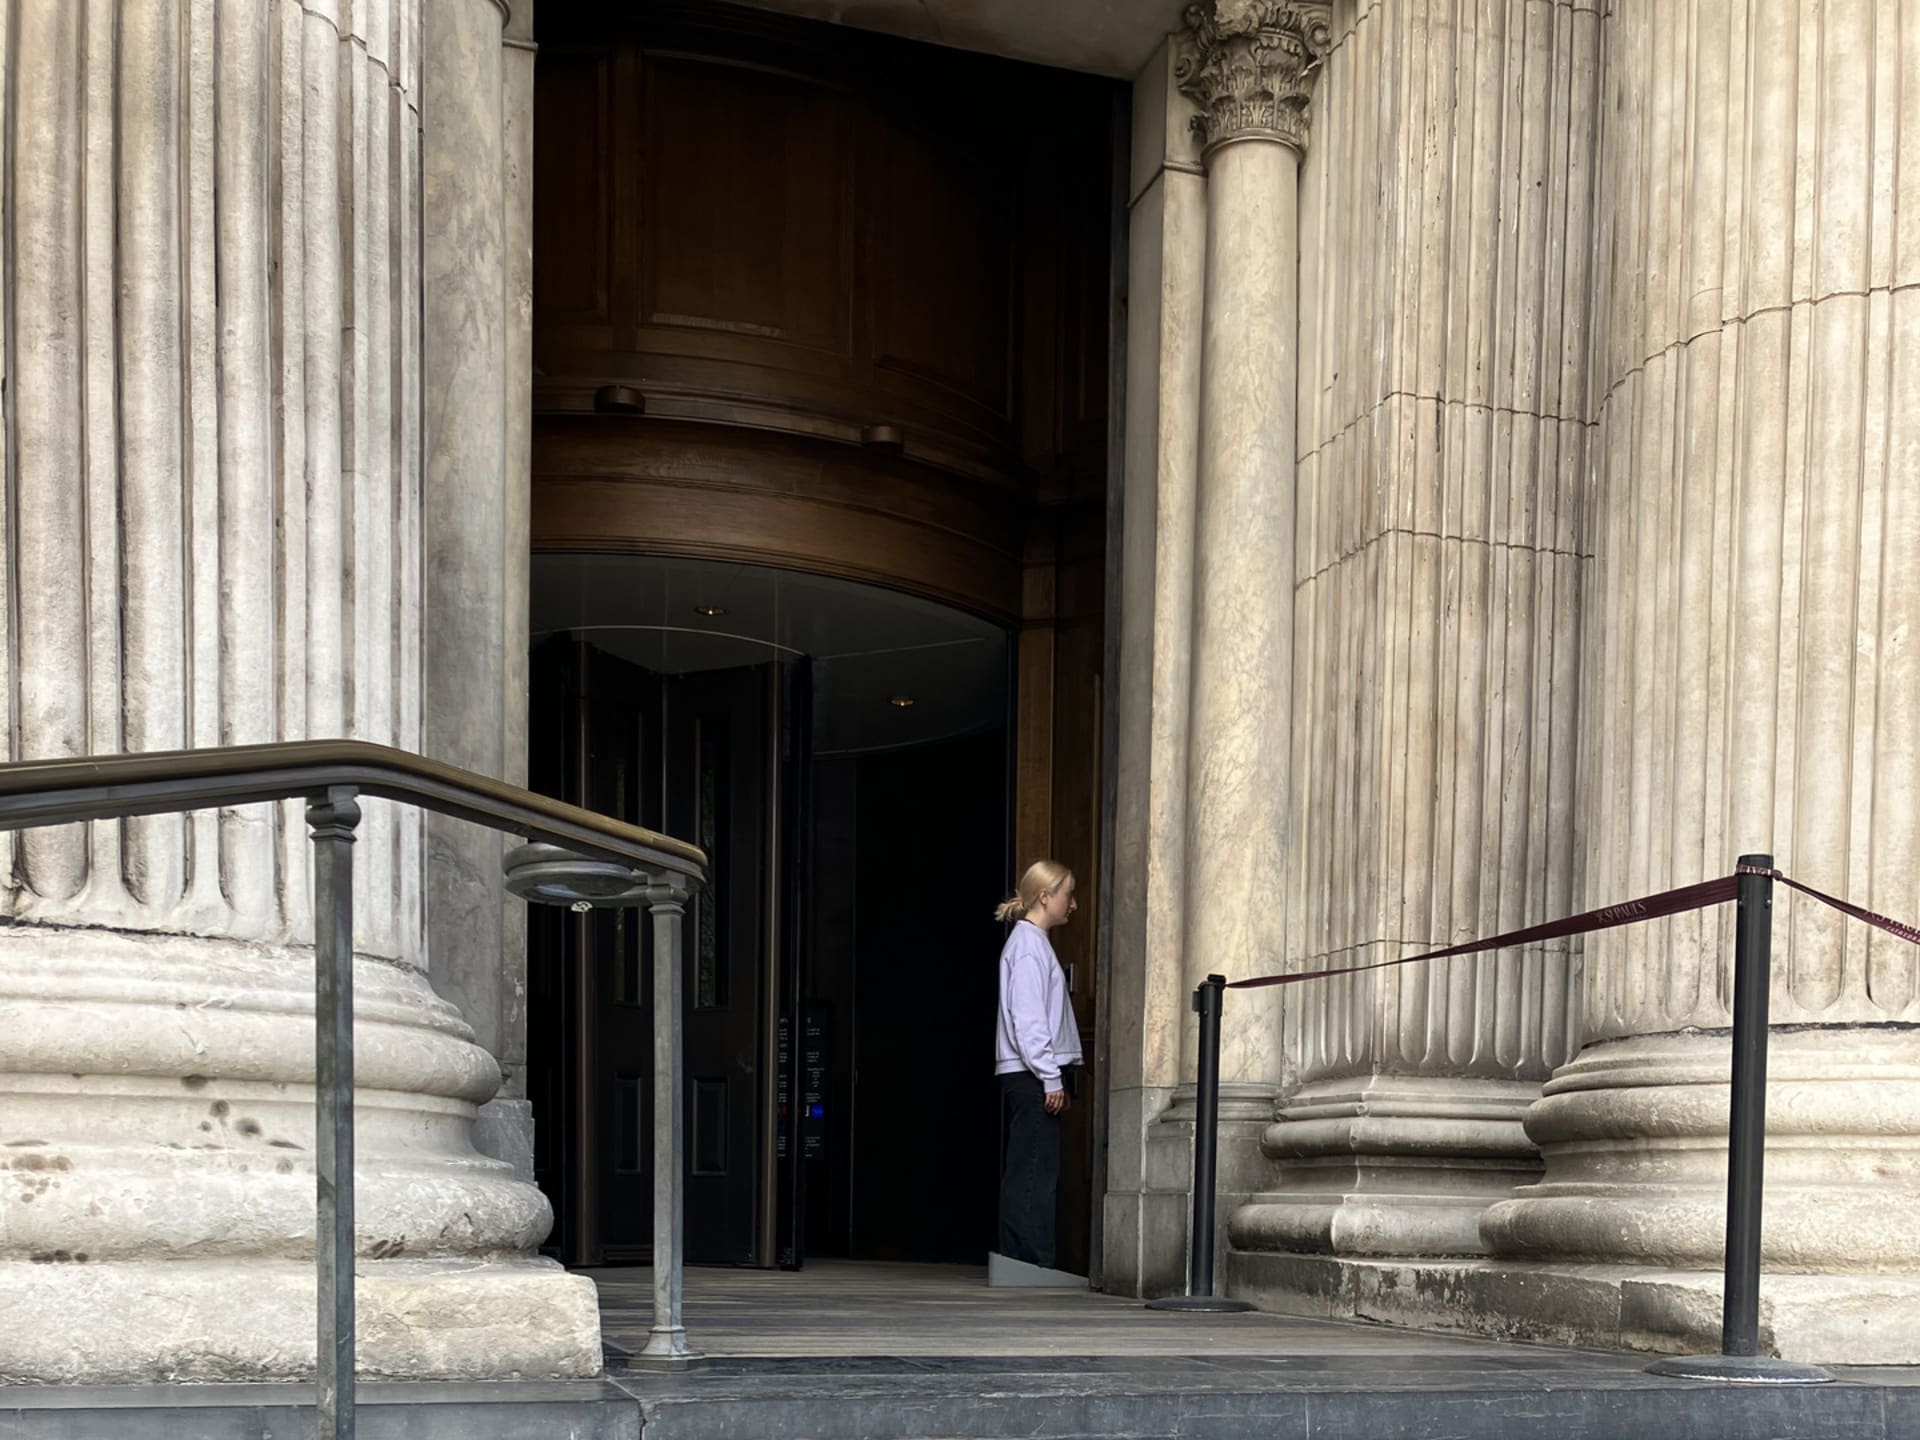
(1060, 601)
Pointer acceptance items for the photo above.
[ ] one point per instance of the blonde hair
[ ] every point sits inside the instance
(1043, 877)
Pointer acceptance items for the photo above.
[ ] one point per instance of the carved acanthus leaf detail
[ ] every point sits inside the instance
(1250, 66)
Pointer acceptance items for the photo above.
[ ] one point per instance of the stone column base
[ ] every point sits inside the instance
(1634, 1135)
(1241, 1170)
(221, 1320)
(1143, 1221)
(503, 1131)
(1819, 1319)
(1391, 1165)
(157, 1174)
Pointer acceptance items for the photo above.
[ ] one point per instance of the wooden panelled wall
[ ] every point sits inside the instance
(813, 298)
(821, 300)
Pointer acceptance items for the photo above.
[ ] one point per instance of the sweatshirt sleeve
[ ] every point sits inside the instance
(1023, 996)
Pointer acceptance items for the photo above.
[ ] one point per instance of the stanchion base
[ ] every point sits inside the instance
(685, 1360)
(1740, 1370)
(1200, 1304)
(665, 1350)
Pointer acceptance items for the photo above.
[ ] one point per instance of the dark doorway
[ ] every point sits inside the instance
(905, 947)
(852, 796)
(846, 396)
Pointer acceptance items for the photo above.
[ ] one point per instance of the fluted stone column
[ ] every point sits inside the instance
(214, 531)
(1147, 1204)
(476, 160)
(1445, 288)
(506, 1123)
(1248, 66)
(1750, 676)
(465, 494)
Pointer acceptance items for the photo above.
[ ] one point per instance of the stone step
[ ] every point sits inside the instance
(1563, 1395)
(466, 1410)
(1195, 1398)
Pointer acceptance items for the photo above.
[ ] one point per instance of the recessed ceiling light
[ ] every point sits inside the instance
(711, 612)
(901, 702)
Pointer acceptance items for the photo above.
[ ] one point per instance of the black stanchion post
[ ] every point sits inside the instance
(1747, 1124)
(1206, 1135)
(1740, 1358)
(1206, 1152)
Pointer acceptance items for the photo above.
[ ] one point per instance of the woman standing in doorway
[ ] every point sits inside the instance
(1034, 1054)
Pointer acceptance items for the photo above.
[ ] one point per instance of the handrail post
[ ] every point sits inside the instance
(332, 817)
(1200, 1299)
(1740, 1358)
(666, 1345)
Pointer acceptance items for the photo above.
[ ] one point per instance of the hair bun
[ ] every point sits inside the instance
(1042, 878)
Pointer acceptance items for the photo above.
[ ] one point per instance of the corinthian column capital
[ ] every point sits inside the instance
(1250, 66)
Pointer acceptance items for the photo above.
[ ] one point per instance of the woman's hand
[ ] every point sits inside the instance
(1056, 1101)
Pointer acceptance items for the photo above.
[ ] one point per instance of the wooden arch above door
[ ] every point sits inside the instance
(673, 488)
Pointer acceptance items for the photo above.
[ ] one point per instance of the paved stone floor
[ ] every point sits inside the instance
(909, 1351)
(869, 1352)
(842, 1308)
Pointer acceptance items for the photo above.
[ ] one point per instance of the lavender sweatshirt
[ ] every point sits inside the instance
(1036, 1028)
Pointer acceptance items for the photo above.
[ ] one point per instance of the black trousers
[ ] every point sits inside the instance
(1029, 1170)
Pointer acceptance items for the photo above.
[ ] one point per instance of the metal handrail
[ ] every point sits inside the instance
(331, 775)
(110, 787)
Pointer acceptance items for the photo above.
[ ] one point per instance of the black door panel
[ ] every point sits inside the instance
(688, 755)
(717, 739)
